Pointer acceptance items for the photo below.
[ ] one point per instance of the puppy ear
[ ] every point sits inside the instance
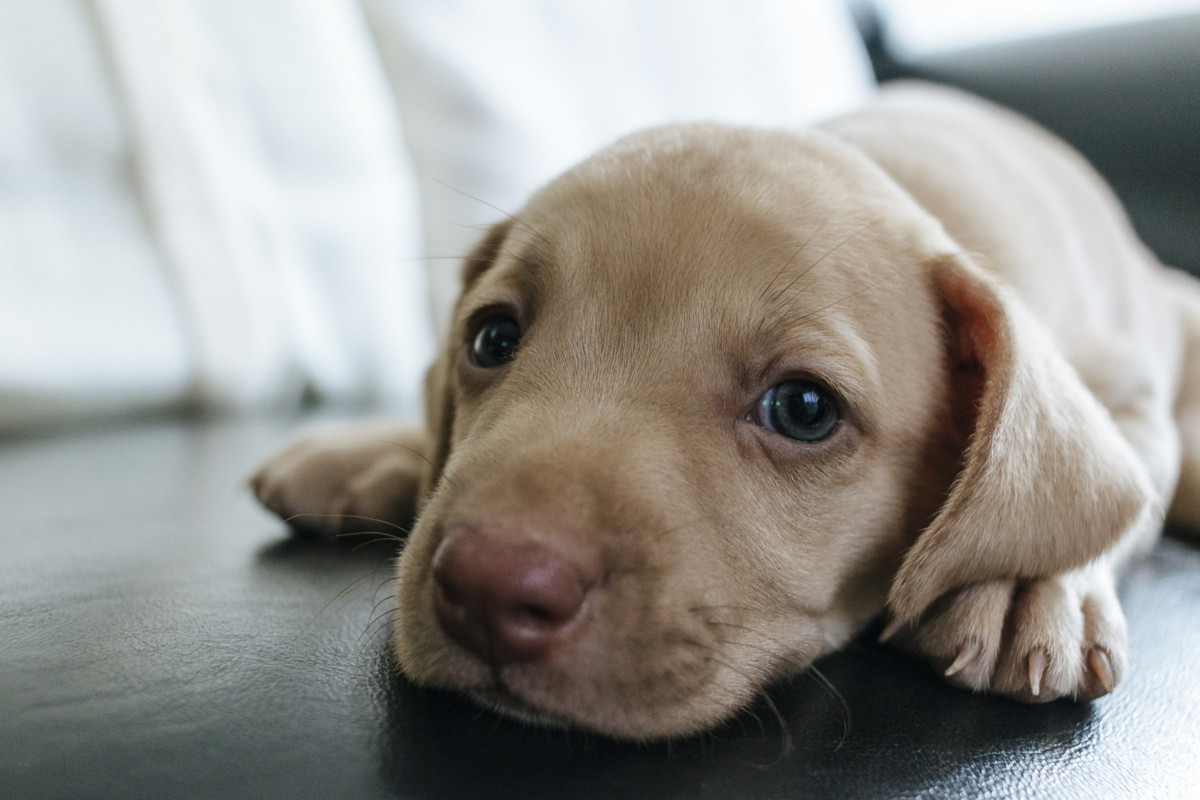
(1047, 482)
(439, 386)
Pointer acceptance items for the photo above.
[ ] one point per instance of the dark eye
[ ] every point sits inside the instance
(800, 410)
(497, 340)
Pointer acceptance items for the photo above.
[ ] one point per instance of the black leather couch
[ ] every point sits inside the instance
(162, 637)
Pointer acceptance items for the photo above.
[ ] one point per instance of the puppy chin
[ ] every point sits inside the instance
(506, 704)
(531, 697)
(548, 697)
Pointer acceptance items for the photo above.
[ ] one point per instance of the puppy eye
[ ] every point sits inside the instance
(497, 340)
(800, 410)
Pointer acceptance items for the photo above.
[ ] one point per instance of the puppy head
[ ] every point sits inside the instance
(698, 399)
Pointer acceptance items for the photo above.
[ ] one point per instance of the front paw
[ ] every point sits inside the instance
(1032, 641)
(353, 478)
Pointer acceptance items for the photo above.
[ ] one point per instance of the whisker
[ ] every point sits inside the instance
(383, 617)
(354, 583)
(500, 249)
(812, 670)
(762, 648)
(379, 539)
(814, 264)
(515, 219)
(786, 744)
(384, 534)
(416, 453)
(778, 296)
(503, 249)
(784, 323)
(827, 684)
(762, 728)
(378, 603)
(373, 520)
(762, 296)
(874, 285)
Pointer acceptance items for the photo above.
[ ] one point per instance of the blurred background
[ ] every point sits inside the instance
(256, 205)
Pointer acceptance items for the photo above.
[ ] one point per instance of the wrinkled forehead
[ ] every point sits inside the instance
(712, 229)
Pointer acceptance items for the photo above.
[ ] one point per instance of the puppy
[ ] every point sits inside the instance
(718, 397)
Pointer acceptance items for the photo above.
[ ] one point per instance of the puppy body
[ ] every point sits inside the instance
(611, 536)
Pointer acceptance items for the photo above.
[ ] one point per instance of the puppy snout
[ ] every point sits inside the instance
(506, 601)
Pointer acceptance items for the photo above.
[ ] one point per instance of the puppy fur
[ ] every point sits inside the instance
(1018, 386)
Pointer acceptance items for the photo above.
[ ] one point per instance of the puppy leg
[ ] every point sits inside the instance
(359, 477)
(1185, 506)
(1034, 642)
(1063, 636)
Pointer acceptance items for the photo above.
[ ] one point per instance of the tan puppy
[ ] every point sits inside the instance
(718, 397)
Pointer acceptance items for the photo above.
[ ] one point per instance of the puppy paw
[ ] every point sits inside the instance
(1032, 641)
(353, 478)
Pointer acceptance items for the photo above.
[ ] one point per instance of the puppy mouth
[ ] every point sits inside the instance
(558, 705)
(499, 698)
(592, 687)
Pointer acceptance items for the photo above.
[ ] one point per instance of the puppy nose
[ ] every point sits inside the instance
(509, 602)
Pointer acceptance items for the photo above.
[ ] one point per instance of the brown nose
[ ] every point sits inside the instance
(508, 602)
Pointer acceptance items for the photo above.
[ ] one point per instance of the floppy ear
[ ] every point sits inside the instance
(1047, 482)
(439, 387)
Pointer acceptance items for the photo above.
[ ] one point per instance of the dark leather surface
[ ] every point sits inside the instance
(162, 637)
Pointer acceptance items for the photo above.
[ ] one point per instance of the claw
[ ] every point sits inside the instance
(892, 628)
(1037, 668)
(1101, 666)
(969, 651)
